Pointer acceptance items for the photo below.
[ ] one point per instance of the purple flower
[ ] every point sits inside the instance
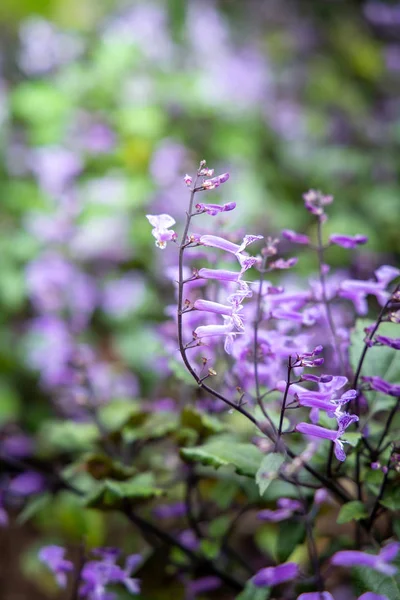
(161, 231)
(348, 241)
(357, 291)
(315, 202)
(287, 507)
(275, 575)
(296, 238)
(380, 385)
(202, 585)
(188, 180)
(98, 574)
(215, 209)
(316, 596)
(379, 562)
(219, 274)
(226, 330)
(211, 184)
(282, 263)
(53, 558)
(386, 341)
(321, 432)
(27, 483)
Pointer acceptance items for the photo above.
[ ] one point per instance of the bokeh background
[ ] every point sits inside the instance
(104, 106)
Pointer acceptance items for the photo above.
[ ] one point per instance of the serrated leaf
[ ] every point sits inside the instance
(251, 592)
(268, 470)
(244, 457)
(352, 511)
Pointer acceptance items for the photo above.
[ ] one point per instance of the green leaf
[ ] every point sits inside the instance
(116, 413)
(290, 535)
(372, 581)
(101, 466)
(391, 499)
(268, 470)
(113, 494)
(245, 458)
(251, 592)
(352, 511)
(67, 436)
(204, 424)
(33, 506)
(352, 438)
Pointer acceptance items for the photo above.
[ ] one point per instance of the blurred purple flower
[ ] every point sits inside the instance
(121, 296)
(27, 484)
(357, 291)
(380, 385)
(53, 558)
(348, 241)
(386, 341)
(275, 575)
(378, 562)
(161, 231)
(296, 238)
(55, 168)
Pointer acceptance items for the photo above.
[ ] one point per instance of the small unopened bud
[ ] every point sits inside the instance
(211, 372)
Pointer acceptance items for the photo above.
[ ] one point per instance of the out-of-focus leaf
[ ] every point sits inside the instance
(369, 580)
(352, 511)
(101, 466)
(252, 592)
(268, 470)
(290, 535)
(113, 494)
(67, 436)
(245, 458)
(202, 423)
(118, 412)
(33, 506)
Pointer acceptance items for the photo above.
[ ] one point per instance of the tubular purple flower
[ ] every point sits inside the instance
(296, 238)
(275, 516)
(348, 241)
(357, 291)
(386, 341)
(188, 180)
(344, 421)
(214, 241)
(215, 209)
(214, 307)
(213, 330)
(219, 274)
(211, 184)
(380, 385)
(379, 562)
(275, 575)
(161, 232)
